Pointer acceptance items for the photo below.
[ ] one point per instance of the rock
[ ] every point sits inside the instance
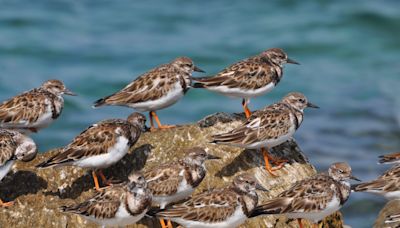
(38, 194)
(391, 208)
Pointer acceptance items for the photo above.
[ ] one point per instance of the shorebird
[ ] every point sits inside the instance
(14, 146)
(220, 208)
(157, 89)
(248, 78)
(175, 181)
(314, 198)
(100, 146)
(268, 127)
(36, 109)
(119, 205)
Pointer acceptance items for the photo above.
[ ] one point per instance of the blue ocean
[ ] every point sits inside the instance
(349, 53)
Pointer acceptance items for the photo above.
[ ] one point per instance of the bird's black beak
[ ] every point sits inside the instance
(69, 92)
(292, 61)
(211, 157)
(197, 69)
(354, 178)
(261, 188)
(311, 105)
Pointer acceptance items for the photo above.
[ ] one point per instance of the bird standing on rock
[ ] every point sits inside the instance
(175, 181)
(227, 207)
(159, 88)
(119, 205)
(313, 198)
(268, 127)
(100, 146)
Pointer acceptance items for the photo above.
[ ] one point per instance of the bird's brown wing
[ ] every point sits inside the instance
(103, 205)
(7, 146)
(23, 110)
(210, 207)
(164, 180)
(149, 86)
(266, 124)
(95, 140)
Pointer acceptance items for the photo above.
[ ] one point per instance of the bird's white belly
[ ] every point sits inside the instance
(173, 96)
(315, 217)
(388, 195)
(113, 155)
(4, 169)
(234, 220)
(242, 93)
(122, 218)
(44, 120)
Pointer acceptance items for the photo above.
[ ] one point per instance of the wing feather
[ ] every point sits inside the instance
(102, 206)
(210, 207)
(7, 146)
(251, 73)
(95, 140)
(164, 180)
(148, 86)
(25, 109)
(269, 123)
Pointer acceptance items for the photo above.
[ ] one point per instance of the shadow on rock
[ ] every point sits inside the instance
(21, 183)
(133, 161)
(248, 159)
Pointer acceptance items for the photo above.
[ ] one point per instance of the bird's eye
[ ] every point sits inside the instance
(301, 100)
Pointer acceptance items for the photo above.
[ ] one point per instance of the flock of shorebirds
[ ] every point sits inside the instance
(170, 186)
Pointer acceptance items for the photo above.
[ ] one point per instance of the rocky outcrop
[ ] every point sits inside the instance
(38, 194)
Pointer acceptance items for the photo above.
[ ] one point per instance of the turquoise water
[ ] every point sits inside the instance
(349, 51)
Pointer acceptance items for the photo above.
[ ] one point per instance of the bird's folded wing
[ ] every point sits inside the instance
(210, 207)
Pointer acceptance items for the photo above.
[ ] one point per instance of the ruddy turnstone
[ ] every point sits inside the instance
(116, 205)
(100, 146)
(248, 78)
(159, 88)
(269, 127)
(313, 198)
(227, 207)
(175, 181)
(14, 146)
(387, 185)
(35, 109)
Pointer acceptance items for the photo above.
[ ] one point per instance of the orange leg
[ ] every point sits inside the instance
(96, 181)
(151, 121)
(169, 224)
(103, 178)
(316, 225)
(160, 126)
(247, 111)
(162, 222)
(300, 224)
(268, 166)
(277, 162)
(6, 204)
